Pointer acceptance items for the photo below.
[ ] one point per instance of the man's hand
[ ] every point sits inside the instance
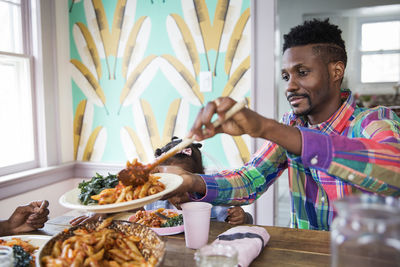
(28, 218)
(192, 183)
(244, 121)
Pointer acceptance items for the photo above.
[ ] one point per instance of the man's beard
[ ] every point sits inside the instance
(307, 111)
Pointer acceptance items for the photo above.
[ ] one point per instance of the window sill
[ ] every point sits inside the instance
(18, 183)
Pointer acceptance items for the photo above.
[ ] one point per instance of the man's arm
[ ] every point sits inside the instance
(245, 121)
(369, 161)
(235, 187)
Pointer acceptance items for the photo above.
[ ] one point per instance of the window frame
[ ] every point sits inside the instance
(26, 53)
(40, 39)
(359, 53)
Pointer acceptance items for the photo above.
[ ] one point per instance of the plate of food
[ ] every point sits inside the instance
(25, 247)
(162, 221)
(104, 243)
(108, 195)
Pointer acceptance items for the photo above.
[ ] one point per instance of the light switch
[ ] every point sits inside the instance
(205, 81)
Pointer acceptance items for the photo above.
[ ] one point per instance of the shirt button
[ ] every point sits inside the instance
(314, 160)
(322, 198)
(351, 177)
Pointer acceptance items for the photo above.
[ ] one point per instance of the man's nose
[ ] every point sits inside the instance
(291, 85)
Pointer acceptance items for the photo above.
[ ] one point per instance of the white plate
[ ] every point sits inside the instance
(71, 198)
(34, 240)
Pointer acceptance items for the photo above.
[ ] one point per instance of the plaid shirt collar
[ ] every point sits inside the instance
(337, 122)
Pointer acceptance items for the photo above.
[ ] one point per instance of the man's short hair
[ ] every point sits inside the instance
(328, 37)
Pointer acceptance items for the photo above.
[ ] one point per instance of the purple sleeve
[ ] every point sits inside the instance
(317, 149)
(211, 189)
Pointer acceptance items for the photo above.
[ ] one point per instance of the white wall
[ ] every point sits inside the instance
(64, 81)
(263, 87)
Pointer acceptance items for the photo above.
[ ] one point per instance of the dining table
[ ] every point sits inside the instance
(286, 246)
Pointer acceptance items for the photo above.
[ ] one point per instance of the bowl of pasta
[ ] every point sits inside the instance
(105, 243)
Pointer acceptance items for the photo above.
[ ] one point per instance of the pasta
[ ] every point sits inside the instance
(19, 242)
(25, 245)
(151, 219)
(122, 193)
(99, 247)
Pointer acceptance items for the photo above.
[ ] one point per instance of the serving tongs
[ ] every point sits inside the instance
(141, 172)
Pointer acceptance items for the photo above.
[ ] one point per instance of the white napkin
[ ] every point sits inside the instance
(249, 241)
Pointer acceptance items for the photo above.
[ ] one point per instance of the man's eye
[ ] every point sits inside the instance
(285, 77)
(303, 72)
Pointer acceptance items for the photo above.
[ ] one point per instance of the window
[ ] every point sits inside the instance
(380, 51)
(17, 135)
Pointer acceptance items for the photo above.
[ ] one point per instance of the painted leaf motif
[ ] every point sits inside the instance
(193, 18)
(231, 19)
(239, 83)
(236, 38)
(134, 50)
(183, 43)
(87, 49)
(139, 80)
(142, 130)
(93, 26)
(95, 146)
(132, 145)
(87, 83)
(181, 79)
(236, 148)
(127, 24)
(82, 127)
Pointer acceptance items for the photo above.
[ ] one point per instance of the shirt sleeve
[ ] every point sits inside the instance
(244, 185)
(369, 161)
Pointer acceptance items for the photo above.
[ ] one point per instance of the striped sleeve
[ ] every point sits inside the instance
(369, 159)
(244, 185)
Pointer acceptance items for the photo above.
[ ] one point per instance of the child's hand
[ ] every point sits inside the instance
(236, 215)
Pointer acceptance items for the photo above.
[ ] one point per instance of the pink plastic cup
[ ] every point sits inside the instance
(196, 221)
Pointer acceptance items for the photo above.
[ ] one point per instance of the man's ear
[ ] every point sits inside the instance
(337, 71)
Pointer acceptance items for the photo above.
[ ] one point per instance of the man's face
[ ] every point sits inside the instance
(307, 81)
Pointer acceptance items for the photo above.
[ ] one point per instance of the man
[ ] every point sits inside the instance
(26, 218)
(331, 147)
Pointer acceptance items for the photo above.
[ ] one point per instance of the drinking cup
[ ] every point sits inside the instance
(366, 231)
(196, 220)
(216, 255)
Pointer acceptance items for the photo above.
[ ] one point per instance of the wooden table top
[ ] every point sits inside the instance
(286, 247)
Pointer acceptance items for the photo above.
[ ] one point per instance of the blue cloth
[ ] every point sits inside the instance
(218, 213)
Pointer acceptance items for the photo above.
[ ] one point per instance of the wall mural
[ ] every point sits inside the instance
(135, 69)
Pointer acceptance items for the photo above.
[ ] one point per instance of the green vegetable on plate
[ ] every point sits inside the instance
(173, 221)
(95, 186)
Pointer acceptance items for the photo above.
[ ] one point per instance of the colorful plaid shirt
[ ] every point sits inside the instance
(356, 150)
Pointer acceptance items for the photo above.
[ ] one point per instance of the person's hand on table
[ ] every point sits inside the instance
(92, 217)
(26, 218)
